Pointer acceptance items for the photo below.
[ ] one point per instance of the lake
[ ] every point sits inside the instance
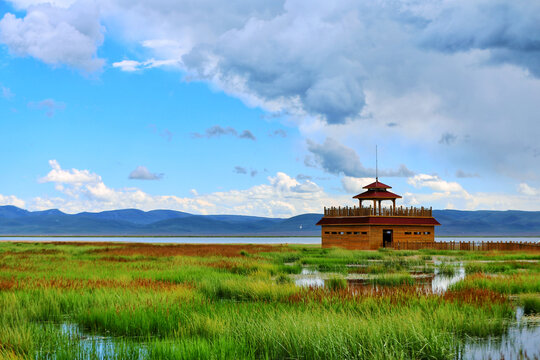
(232, 239)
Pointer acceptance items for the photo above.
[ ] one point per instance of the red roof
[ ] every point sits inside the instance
(377, 185)
(378, 220)
(376, 195)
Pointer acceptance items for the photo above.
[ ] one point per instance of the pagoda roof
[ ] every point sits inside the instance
(377, 195)
(377, 185)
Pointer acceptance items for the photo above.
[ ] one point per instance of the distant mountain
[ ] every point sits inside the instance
(486, 222)
(135, 216)
(16, 221)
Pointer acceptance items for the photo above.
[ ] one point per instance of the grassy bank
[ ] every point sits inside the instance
(123, 301)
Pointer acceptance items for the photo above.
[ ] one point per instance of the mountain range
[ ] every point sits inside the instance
(16, 221)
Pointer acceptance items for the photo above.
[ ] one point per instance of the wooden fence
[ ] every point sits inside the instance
(369, 211)
(467, 245)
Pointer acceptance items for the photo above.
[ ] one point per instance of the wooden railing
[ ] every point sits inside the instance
(369, 211)
(467, 245)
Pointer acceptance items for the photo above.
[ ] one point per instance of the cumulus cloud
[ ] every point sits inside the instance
(282, 195)
(435, 183)
(525, 189)
(57, 36)
(11, 200)
(473, 201)
(355, 185)
(72, 177)
(337, 158)
(50, 106)
(218, 131)
(142, 173)
(427, 66)
(507, 29)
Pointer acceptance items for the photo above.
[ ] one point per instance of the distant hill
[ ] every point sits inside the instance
(16, 221)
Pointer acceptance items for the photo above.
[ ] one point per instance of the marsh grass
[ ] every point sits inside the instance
(505, 267)
(161, 302)
(531, 303)
(504, 284)
(446, 269)
(394, 279)
(335, 283)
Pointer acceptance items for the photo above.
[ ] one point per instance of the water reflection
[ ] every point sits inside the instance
(438, 283)
(441, 282)
(309, 278)
(521, 341)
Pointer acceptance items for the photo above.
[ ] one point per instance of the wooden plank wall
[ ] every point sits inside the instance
(468, 245)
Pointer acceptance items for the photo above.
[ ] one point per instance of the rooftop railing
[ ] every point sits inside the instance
(369, 211)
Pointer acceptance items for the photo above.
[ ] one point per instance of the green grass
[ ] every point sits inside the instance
(531, 304)
(395, 279)
(446, 269)
(335, 283)
(504, 284)
(244, 307)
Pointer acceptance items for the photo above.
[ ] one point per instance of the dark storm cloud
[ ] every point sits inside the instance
(337, 158)
(508, 29)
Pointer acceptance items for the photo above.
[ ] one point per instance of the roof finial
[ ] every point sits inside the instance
(376, 165)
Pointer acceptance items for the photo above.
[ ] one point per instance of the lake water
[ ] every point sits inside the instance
(233, 239)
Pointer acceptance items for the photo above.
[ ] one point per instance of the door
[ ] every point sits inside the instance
(387, 238)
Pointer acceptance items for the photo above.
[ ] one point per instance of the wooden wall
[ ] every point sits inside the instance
(345, 235)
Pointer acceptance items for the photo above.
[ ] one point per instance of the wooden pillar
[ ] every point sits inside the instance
(360, 202)
(374, 207)
(380, 207)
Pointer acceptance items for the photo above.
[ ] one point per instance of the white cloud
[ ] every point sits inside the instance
(355, 185)
(435, 183)
(127, 65)
(283, 195)
(525, 189)
(133, 65)
(56, 36)
(452, 195)
(142, 173)
(72, 177)
(11, 200)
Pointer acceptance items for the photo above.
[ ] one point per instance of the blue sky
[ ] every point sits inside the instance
(268, 108)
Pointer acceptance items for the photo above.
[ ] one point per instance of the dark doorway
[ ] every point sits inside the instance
(387, 238)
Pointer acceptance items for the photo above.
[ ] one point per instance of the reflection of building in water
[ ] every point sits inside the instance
(374, 226)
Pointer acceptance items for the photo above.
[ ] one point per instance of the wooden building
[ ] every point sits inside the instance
(375, 226)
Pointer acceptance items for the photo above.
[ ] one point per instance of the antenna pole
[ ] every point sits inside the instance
(376, 165)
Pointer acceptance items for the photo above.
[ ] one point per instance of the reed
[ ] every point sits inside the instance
(157, 302)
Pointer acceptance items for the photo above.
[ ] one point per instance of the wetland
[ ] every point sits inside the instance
(103, 300)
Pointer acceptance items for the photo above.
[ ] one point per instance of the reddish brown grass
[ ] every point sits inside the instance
(86, 284)
(475, 296)
(395, 295)
(226, 250)
(25, 253)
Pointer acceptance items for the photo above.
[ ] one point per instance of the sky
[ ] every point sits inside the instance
(268, 108)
